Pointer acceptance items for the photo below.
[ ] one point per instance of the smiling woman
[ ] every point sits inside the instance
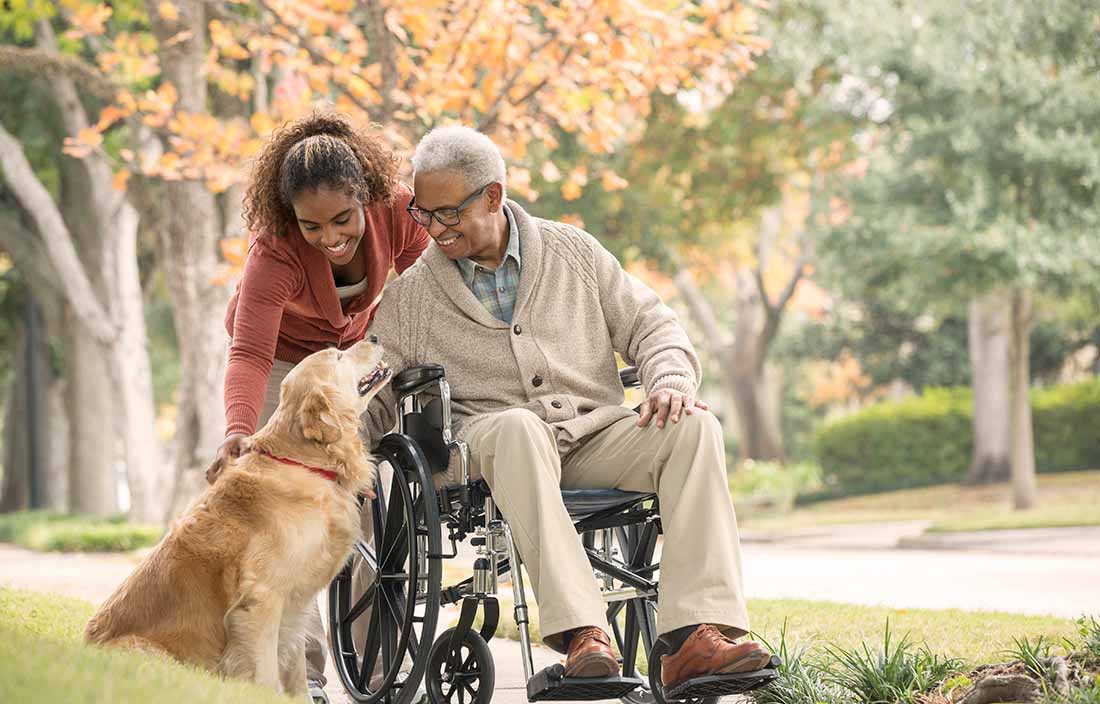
(328, 224)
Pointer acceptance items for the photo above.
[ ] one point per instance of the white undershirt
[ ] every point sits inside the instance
(345, 292)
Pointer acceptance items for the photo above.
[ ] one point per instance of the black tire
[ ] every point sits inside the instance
(402, 621)
(468, 680)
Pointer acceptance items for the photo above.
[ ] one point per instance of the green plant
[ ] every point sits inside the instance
(928, 439)
(1031, 655)
(801, 680)
(52, 532)
(772, 485)
(1088, 647)
(897, 672)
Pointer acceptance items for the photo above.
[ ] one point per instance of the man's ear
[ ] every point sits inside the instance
(318, 418)
(495, 191)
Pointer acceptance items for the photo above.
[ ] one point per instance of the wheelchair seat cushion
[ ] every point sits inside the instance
(585, 502)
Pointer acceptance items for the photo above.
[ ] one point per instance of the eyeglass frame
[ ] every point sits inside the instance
(434, 214)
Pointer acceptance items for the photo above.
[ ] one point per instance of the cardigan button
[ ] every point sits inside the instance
(517, 329)
(556, 404)
(536, 380)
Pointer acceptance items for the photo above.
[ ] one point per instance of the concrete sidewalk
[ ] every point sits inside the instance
(1068, 541)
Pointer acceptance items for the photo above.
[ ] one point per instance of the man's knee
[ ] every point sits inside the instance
(699, 424)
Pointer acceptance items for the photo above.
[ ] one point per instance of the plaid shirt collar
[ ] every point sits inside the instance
(469, 267)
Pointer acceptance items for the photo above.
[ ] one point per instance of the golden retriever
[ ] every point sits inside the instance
(226, 588)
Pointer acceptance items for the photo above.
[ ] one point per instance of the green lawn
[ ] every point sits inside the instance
(1065, 499)
(975, 637)
(43, 659)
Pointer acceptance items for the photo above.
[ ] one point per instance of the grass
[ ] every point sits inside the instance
(42, 659)
(52, 532)
(896, 672)
(974, 637)
(1065, 499)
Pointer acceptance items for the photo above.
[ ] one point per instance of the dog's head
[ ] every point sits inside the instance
(322, 398)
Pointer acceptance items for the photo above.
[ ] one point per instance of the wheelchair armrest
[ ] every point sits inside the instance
(416, 376)
(629, 378)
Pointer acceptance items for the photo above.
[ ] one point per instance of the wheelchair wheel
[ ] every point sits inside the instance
(634, 622)
(380, 639)
(465, 679)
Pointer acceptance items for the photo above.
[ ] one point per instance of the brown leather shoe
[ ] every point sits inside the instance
(590, 654)
(708, 652)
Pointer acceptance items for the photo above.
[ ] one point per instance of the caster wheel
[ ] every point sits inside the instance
(465, 679)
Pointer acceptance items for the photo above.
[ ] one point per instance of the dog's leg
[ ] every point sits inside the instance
(292, 655)
(252, 636)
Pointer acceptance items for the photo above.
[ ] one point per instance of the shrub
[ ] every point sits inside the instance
(928, 439)
(52, 532)
(772, 486)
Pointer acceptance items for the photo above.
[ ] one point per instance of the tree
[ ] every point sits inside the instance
(88, 237)
(195, 85)
(983, 177)
(730, 186)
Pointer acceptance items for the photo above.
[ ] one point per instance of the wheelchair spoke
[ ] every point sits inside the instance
(362, 605)
(389, 633)
(370, 648)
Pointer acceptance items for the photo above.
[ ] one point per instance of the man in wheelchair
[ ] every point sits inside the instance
(526, 316)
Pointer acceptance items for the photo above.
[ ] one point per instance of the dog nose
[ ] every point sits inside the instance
(373, 339)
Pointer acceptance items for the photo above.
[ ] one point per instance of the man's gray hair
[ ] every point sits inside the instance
(462, 149)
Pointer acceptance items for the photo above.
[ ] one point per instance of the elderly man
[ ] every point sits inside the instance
(526, 315)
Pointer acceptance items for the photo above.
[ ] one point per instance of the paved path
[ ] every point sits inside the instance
(1027, 580)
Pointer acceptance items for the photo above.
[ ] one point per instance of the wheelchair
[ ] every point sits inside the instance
(384, 642)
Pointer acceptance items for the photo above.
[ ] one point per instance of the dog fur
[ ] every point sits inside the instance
(227, 587)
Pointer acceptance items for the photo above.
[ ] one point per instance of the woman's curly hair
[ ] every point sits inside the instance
(323, 149)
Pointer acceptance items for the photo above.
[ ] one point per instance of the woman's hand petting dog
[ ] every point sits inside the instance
(232, 447)
(666, 404)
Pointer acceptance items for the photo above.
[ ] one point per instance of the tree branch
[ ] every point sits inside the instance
(28, 254)
(303, 42)
(39, 205)
(37, 62)
(486, 124)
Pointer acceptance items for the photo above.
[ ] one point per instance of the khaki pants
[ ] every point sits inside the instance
(684, 463)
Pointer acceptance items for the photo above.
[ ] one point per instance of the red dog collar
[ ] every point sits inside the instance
(326, 473)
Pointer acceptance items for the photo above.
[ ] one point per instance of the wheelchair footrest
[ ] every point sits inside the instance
(551, 684)
(724, 685)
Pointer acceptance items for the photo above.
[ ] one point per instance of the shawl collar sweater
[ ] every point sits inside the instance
(576, 307)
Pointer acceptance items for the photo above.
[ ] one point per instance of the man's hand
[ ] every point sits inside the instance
(232, 447)
(667, 404)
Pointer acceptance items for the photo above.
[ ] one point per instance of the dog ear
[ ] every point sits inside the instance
(319, 419)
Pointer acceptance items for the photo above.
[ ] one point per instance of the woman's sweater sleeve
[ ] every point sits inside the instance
(266, 286)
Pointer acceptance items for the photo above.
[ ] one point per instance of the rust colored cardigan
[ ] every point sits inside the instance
(286, 307)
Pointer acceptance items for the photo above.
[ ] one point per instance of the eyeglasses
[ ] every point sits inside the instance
(448, 217)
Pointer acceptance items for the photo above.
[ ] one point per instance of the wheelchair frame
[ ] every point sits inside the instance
(619, 532)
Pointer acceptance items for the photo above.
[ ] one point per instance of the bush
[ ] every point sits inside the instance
(771, 486)
(928, 439)
(52, 532)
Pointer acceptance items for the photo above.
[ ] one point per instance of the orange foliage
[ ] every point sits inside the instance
(517, 70)
(839, 382)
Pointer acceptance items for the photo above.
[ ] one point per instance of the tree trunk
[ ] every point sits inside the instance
(988, 337)
(39, 276)
(15, 494)
(1024, 488)
(759, 437)
(187, 255)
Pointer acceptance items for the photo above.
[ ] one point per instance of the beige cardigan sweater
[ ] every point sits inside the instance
(575, 308)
